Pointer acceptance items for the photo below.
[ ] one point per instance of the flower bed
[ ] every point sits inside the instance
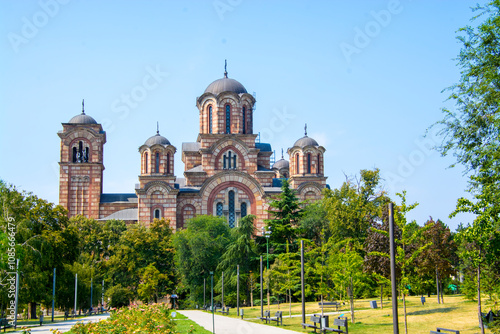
(153, 318)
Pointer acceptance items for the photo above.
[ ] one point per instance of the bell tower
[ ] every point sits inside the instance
(81, 165)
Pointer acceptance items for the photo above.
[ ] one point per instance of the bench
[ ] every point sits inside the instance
(339, 322)
(4, 323)
(330, 304)
(278, 317)
(224, 310)
(267, 315)
(444, 330)
(68, 315)
(316, 323)
(490, 317)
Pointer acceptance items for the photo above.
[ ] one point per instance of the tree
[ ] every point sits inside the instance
(148, 290)
(138, 248)
(472, 132)
(241, 251)
(353, 208)
(286, 212)
(286, 275)
(198, 249)
(119, 296)
(408, 243)
(314, 223)
(479, 244)
(437, 260)
(408, 248)
(44, 240)
(377, 249)
(346, 267)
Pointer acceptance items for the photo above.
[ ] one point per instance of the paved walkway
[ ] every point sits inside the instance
(65, 325)
(226, 325)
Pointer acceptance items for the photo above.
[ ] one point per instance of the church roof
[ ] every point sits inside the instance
(191, 147)
(225, 85)
(197, 169)
(306, 141)
(82, 118)
(111, 198)
(126, 214)
(157, 139)
(263, 147)
(282, 163)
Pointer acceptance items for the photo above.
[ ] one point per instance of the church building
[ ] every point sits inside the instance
(227, 170)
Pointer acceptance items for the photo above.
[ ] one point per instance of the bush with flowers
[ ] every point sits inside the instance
(154, 318)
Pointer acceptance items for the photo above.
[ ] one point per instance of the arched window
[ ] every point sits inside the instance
(157, 165)
(168, 163)
(229, 160)
(146, 162)
(308, 163)
(243, 209)
(157, 214)
(81, 154)
(297, 163)
(318, 171)
(243, 115)
(231, 208)
(210, 119)
(228, 118)
(219, 209)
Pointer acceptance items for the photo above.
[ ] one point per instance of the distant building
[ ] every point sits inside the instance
(226, 172)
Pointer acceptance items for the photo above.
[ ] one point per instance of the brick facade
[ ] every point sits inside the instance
(227, 172)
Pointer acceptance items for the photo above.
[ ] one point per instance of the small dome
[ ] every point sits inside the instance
(82, 119)
(282, 163)
(306, 141)
(225, 85)
(157, 139)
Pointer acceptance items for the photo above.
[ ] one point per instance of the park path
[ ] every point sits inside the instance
(64, 326)
(226, 325)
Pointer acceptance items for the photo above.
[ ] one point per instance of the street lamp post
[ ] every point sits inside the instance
(212, 301)
(267, 233)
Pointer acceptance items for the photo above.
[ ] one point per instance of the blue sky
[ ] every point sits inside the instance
(366, 76)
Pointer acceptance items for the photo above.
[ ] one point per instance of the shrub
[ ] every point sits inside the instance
(154, 318)
(119, 296)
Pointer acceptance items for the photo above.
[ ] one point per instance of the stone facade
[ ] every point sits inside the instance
(227, 171)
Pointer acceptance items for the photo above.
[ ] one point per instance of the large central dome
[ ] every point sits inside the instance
(225, 85)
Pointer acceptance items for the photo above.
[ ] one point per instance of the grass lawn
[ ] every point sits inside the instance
(456, 313)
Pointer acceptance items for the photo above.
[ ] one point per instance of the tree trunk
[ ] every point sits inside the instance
(442, 297)
(251, 294)
(290, 302)
(381, 296)
(481, 325)
(437, 285)
(404, 309)
(351, 292)
(32, 307)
